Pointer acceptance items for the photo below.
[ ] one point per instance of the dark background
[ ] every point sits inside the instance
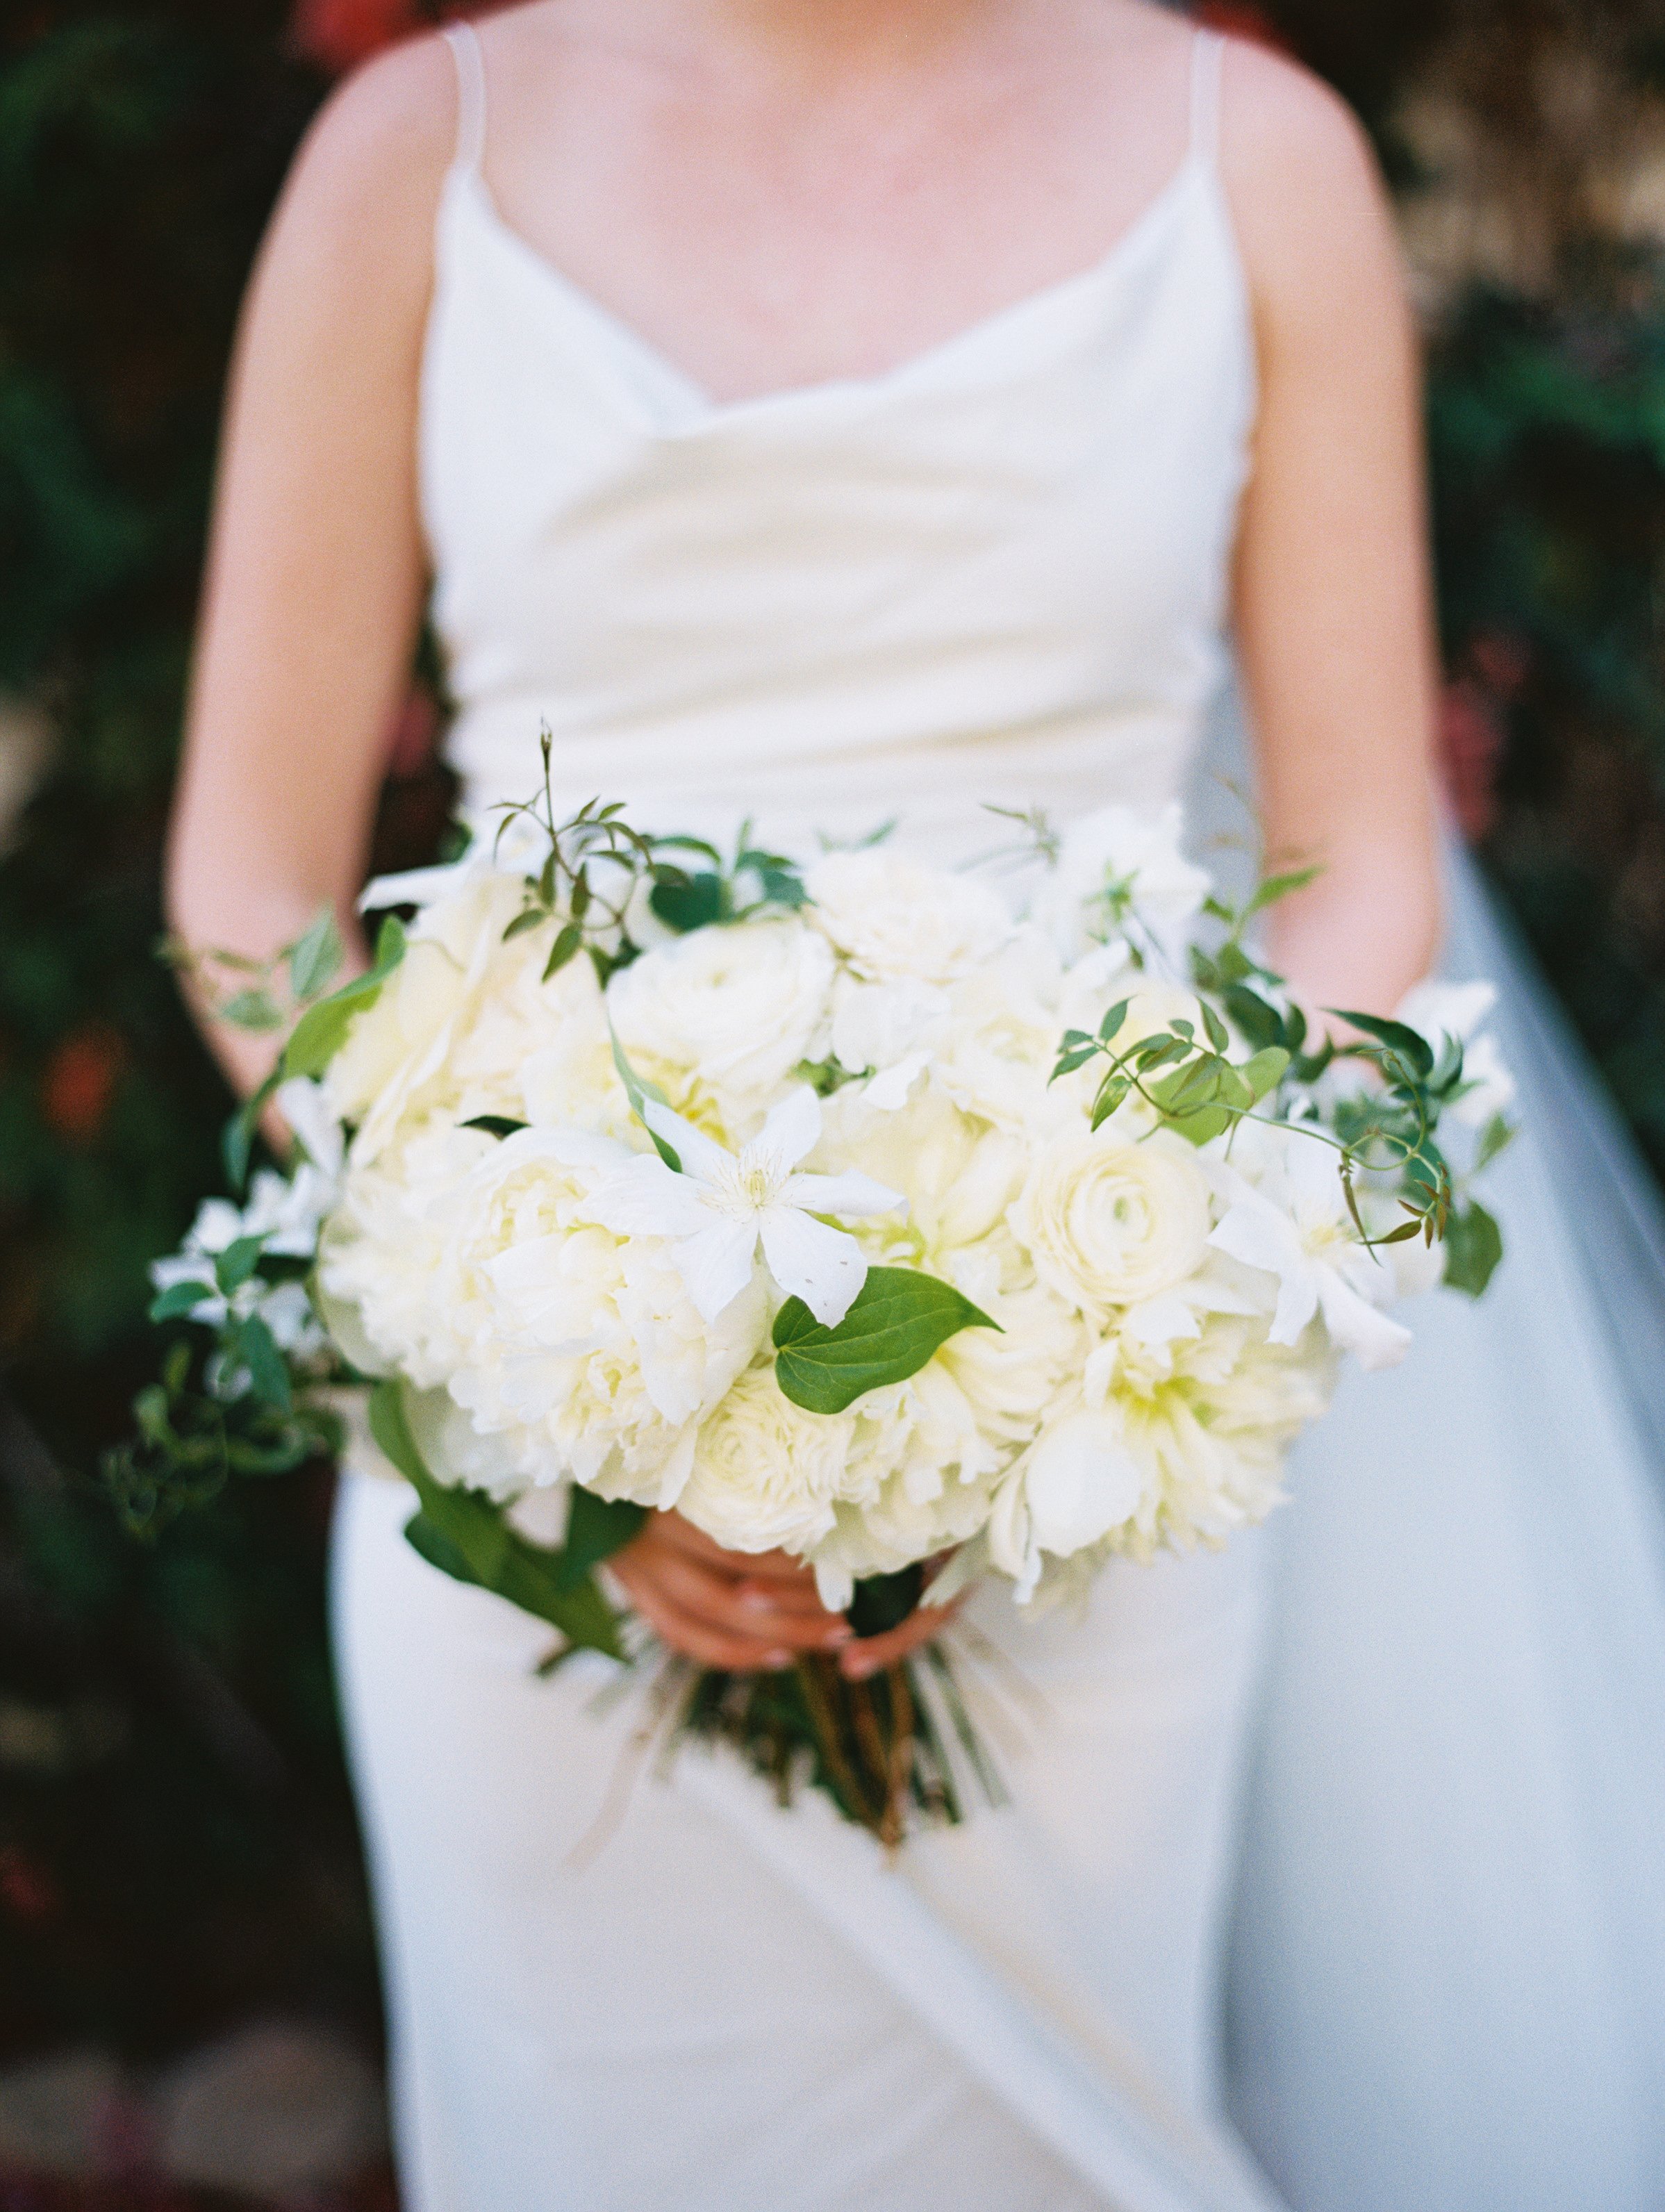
(177, 1854)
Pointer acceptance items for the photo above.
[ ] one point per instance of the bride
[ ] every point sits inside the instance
(829, 409)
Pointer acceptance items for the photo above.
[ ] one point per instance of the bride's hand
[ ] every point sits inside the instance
(746, 1611)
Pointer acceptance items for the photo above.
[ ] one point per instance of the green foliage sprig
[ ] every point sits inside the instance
(1385, 1135)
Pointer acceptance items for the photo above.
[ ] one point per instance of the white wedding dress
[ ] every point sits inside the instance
(1398, 1760)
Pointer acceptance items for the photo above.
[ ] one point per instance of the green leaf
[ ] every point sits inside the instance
(1214, 1028)
(314, 957)
(639, 1092)
(1265, 1070)
(464, 1528)
(237, 1138)
(1113, 1020)
(257, 1347)
(1474, 1247)
(1497, 1136)
(1258, 1023)
(255, 1011)
(233, 1267)
(882, 1602)
(1277, 887)
(1111, 1093)
(529, 917)
(1188, 1099)
(566, 944)
(319, 1032)
(596, 1528)
(495, 1125)
(897, 1322)
(694, 903)
(179, 1299)
(1414, 1049)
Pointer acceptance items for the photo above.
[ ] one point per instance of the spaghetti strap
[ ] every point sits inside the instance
(464, 44)
(1207, 53)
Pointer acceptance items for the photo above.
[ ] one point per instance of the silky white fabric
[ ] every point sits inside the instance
(997, 575)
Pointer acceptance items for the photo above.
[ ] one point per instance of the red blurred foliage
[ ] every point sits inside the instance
(28, 1892)
(1241, 18)
(1474, 726)
(339, 35)
(79, 1081)
(414, 733)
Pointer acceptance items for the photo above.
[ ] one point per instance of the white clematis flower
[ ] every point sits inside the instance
(1308, 1241)
(723, 1205)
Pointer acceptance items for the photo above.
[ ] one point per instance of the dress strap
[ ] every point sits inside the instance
(1207, 53)
(464, 41)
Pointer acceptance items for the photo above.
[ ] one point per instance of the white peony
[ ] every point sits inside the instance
(765, 1473)
(891, 918)
(737, 1007)
(1112, 1224)
(1079, 1482)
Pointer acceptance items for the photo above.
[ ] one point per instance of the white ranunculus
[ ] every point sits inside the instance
(1121, 873)
(765, 1473)
(737, 1007)
(892, 917)
(1112, 1224)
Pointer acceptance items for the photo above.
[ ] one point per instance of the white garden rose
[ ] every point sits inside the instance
(891, 918)
(738, 1008)
(1110, 1223)
(765, 1472)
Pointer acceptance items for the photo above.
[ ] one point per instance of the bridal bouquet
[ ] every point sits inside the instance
(851, 1208)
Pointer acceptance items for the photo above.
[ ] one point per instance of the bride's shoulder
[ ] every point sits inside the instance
(358, 206)
(1306, 194)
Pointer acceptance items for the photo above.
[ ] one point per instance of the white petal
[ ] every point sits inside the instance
(716, 1264)
(794, 1127)
(1257, 1233)
(888, 1092)
(1357, 1326)
(647, 1200)
(702, 1157)
(849, 1193)
(822, 1265)
(1298, 1293)
(300, 1102)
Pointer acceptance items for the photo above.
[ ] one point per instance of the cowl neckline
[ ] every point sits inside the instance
(646, 374)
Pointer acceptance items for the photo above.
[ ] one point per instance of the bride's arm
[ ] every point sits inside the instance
(316, 570)
(315, 585)
(1332, 590)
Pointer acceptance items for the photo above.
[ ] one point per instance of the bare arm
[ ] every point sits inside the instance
(316, 571)
(1332, 588)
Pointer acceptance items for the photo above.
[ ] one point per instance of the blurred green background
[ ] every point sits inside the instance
(176, 1844)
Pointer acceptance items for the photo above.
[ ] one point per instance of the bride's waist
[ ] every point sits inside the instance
(796, 778)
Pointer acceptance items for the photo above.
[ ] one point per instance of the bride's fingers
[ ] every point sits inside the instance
(871, 1653)
(678, 1535)
(731, 1606)
(698, 1639)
